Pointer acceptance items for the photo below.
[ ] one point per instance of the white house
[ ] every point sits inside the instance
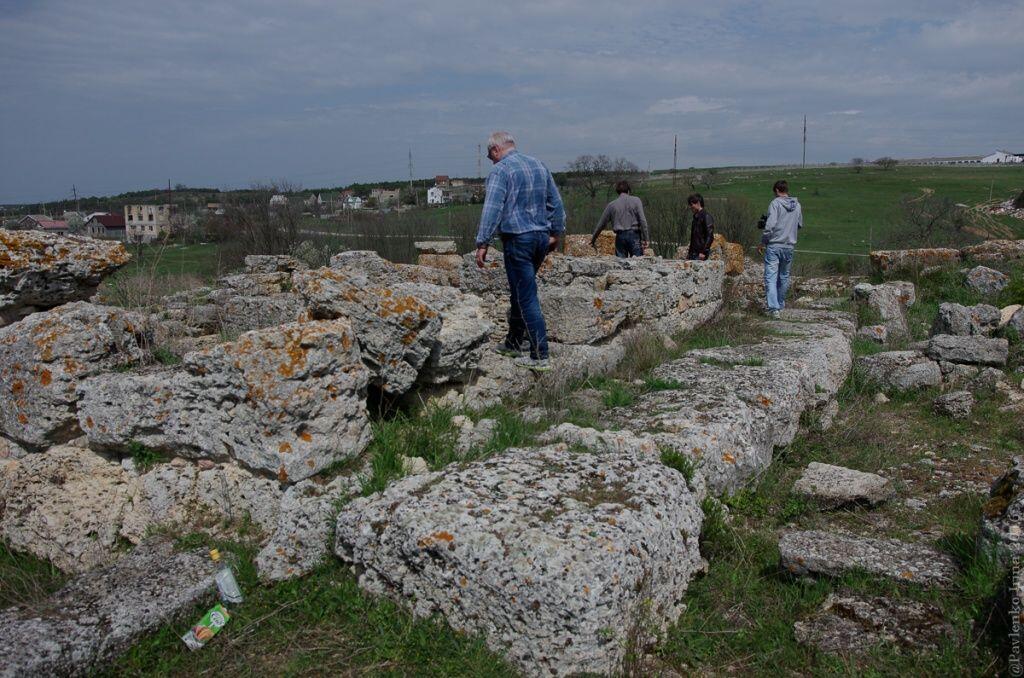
(438, 196)
(352, 202)
(278, 200)
(1003, 157)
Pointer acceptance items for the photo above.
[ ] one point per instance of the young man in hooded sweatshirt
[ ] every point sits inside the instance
(785, 218)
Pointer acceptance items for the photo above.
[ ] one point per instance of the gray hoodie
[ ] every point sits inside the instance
(784, 220)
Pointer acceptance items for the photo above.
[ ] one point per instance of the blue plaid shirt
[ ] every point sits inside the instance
(521, 197)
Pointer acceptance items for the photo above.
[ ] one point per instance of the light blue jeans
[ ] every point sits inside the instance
(777, 261)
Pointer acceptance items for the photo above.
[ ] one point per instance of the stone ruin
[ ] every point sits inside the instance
(562, 556)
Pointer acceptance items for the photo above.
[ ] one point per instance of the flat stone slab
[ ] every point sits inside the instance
(972, 350)
(554, 556)
(101, 614)
(900, 370)
(833, 554)
(836, 486)
(854, 624)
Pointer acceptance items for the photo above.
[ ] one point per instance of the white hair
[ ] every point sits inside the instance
(500, 140)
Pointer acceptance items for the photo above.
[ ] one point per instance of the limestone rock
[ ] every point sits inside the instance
(987, 379)
(472, 436)
(729, 252)
(413, 465)
(835, 486)
(1016, 323)
(995, 251)
(855, 624)
(885, 261)
(286, 400)
(65, 506)
(272, 263)
(981, 320)
(436, 247)
(834, 554)
(97, 616)
(246, 313)
(900, 370)
(956, 375)
(305, 522)
(554, 569)
(252, 284)
(890, 301)
(41, 270)
(956, 404)
(579, 316)
(972, 350)
(46, 355)
(986, 281)
(1007, 313)
(1002, 519)
(579, 245)
(396, 330)
(465, 331)
(876, 333)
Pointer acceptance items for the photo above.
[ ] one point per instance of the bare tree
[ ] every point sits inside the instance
(886, 163)
(595, 172)
(857, 164)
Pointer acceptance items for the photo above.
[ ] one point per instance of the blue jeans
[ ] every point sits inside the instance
(627, 244)
(777, 261)
(524, 253)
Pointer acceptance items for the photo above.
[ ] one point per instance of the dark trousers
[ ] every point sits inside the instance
(524, 253)
(627, 244)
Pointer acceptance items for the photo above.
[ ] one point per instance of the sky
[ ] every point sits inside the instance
(116, 95)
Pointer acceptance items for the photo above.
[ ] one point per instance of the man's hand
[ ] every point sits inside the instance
(761, 250)
(481, 256)
(643, 245)
(552, 243)
(701, 257)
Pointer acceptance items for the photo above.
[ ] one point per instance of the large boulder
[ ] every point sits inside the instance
(836, 486)
(287, 401)
(956, 319)
(972, 350)
(885, 261)
(576, 315)
(41, 270)
(995, 251)
(900, 370)
(729, 252)
(986, 281)
(559, 559)
(45, 356)
(396, 329)
(1002, 520)
(889, 301)
(96, 617)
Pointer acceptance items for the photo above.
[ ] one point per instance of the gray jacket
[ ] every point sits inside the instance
(626, 213)
(785, 218)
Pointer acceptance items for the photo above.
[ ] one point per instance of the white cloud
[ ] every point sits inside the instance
(686, 104)
(849, 111)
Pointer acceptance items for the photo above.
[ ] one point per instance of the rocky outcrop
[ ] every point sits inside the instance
(44, 357)
(1002, 519)
(889, 301)
(41, 270)
(885, 261)
(97, 616)
(834, 554)
(900, 370)
(971, 350)
(557, 558)
(986, 281)
(855, 624)
(956, 404)
(834, 487)
(981, 320)
(994, 251)
(729, 252)
(287, 401)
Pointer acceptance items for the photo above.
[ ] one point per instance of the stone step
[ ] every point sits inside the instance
(826, 553)
(101, 614)
(836, 486)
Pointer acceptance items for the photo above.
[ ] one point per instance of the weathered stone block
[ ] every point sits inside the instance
(835, 486)
(972, 350)
(956, 319)
(986, 281)
(557, 558)
(901, 370)
(894, 260)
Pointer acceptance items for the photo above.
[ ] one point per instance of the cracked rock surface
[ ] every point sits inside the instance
(555, 557)
(835, 486)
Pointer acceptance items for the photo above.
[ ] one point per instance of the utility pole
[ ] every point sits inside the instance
(74, 191)
(675, 154)
(803, 163)
(416, 198)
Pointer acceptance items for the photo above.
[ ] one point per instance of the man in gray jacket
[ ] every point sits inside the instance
(785, 218)
(626, 214)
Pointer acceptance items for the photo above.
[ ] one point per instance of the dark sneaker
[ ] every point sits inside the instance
(535, 364)
(509, 352)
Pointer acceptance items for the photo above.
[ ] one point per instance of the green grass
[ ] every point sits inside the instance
(729, 364)
(322, 624)
(196, 260)
(26, 580)
(144, 457)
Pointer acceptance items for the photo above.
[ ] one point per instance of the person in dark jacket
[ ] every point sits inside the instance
(702, 230)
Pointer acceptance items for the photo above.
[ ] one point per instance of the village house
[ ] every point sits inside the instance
(145, 223)
(41, 222)
(386, 196)
(104, 225)
(442, 180)
(352, 202)
(437, 195)
(1003, 157)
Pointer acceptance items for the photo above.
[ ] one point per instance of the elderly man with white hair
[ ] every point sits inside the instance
(523, 206)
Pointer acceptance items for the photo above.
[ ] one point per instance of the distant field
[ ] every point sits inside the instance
(849, 212)
(181, 260)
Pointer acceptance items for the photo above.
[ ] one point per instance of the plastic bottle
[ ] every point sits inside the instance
(227, 585)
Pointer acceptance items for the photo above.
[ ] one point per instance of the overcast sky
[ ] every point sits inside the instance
(115, 95)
